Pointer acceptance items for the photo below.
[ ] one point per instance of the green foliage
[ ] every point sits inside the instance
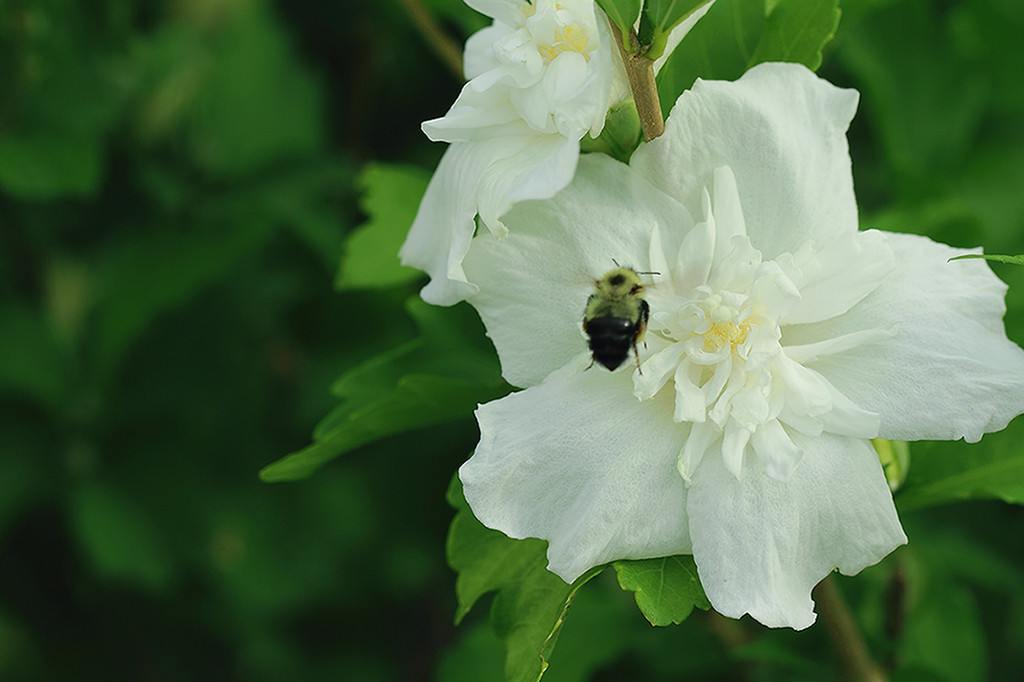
(895, 458)
(923, 130)
(147, 275)
(175, 192)
(177, 187)
(437, 378)
(661, 16)
(657, 19)
(620, 135)
(120, 538)
(28, 335)
(797, 32)
(931, 647)
(993, 469)
(60, 102)
(735, 35)
(666, 590)
(44, 166)
(1015, 260)
(949, 573)
(391, 195)
(531, 603)
(623, 13)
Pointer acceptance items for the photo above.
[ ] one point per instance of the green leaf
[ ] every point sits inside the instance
(1015, 260)
(737, 34)
(531, 602)
(39, 368)
(120, 538)
(929, 643)
(895, 458)
(666, 589)
(24, 476)
(159, 270)
(391, 195)
(235, 90)
(623, 14)
(620, 135)
(437, 378)
(720, 46)
(476, 654)
(50, 164)
(663, 16)
(926, 136)
(304, 198)
(947, 472)
(797, 30)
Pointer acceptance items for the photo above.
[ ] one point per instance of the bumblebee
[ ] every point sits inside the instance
(616, 317)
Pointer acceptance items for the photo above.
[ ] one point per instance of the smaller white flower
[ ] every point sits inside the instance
(540, 78)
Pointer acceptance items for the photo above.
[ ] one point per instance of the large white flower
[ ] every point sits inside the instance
(540, 78)
(781, 339)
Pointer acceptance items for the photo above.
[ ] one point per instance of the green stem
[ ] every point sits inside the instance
(845, 635)
(640, 72)
(446, 48)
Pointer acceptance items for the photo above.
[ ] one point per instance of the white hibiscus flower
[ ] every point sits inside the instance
(781, 339)
(540, 78)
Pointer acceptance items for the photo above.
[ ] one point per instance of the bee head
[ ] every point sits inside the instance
(620, 282)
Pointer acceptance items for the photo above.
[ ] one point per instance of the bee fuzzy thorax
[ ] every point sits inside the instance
(616, 317)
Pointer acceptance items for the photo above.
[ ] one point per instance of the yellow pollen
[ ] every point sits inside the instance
(722, 334)
(571, 38)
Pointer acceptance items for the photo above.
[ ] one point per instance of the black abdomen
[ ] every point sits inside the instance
(610, 339)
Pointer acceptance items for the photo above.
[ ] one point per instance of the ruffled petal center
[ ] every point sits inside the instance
(718, 319)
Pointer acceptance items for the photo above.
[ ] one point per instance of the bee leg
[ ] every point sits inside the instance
(637, 356)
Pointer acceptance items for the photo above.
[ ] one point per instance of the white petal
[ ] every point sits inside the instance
(750, 405)
(949, 371)
(656, 370)
(696, 255)
(839, 275)
(535, 283)
(846, 418)
(808, 394)
(658, 259)
(809, 352)
(479, 57)
(690, 405)
(773, 291)
(735, 271)
(485, 177)
(508, 12)
(762, 544)
(734, 447)
(728, 211)
(441, 232)
(565, 90)
(701, 438)
(776, 449)
(781, 130)
(578, 461)
(529, 167)
(477, 117)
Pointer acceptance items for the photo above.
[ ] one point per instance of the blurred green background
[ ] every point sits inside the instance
(178, 180)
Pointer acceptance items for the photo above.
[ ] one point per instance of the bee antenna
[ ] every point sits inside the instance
(618, 265)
